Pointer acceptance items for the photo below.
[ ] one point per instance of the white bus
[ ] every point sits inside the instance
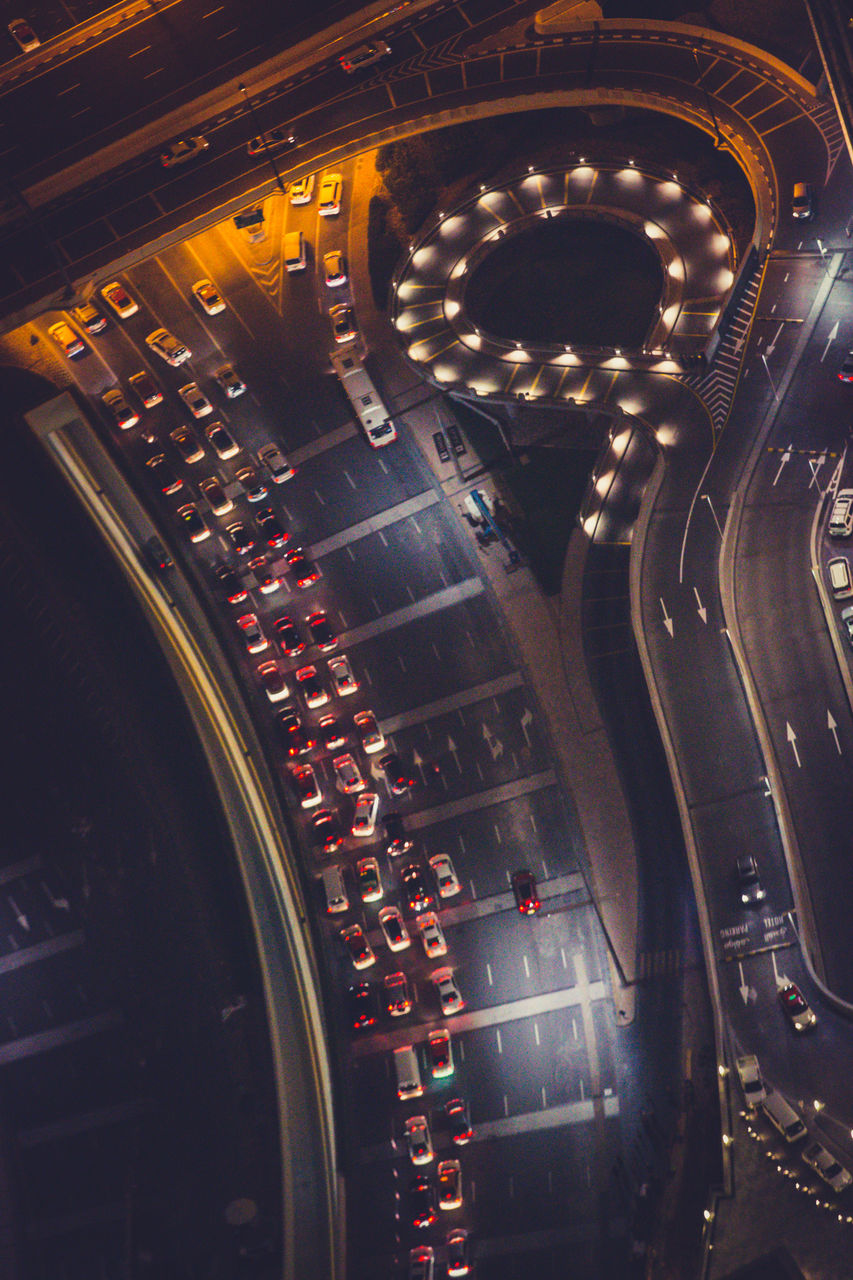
(364, 398)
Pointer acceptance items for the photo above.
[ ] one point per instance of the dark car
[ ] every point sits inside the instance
(526, 895)
(282, 136)
(271, 527)
(295, 739)
(331, 733)
(396, 776)
(157, 555)
(458, 1121)
(321, 632)
(241, 538)
(422, 1200)
(304, 570)
(397, 999)
(845, 373)
(417, 895)
(361, 1006)
(328, 830)
(228, 581)
(287, 634)
(164, 476)
(796, 1007)
(396, 840)
(751, 890)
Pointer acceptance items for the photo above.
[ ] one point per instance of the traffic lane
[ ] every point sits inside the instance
(485, 842)
(477, 746)
(714, 759)
(339, 487)
(799, 686)
(59, 989)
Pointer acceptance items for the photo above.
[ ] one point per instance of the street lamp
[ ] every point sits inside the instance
(260, 131)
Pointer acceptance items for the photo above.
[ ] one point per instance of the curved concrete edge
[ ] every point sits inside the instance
(841, 650)
(638, 548)
(600, 802)
(238, 773)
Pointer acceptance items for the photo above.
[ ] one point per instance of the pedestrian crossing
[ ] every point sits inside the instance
(717, 387)
(658, 964)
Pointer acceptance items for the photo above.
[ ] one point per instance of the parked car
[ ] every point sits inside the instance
(751, 1081)
(458, 1257)
(360, 950)
(343, 680)
(334, 268)
(422, 1199)
(116, 296)
(270, 527)
(394, 929)
(240, 537)
(396, 840)
(195, 400)
(418, 1140)
(254, 486)
(276, 464)
(296, 739)
(186, 444)
(348, 774)
(458, 1121)
(361, 1004)
(432, 935)
(229, 381)
(304, 570)
(311, 687)
(450, 1184)
(364, 819)
(415, 890)
(369, 880)
(287, 634)
(826, 1166)
(146, 389)
(343, 322)
(331, 733)
(124, 416)
(440, 1053)
(220, 503)
(306, 785)
(163, 474)
(321, 631)
(255, 639)
(398, 1002)
(329, 199)
(69, 342)
(302, 189)
(23, 35)
(222, 443)
(92, 320)
(445, 875)
(228, 582)
(168, 347)
(193, 522)
(397, 779)
(448, 993)
(370, 735)
(272, 679)
(208, 297)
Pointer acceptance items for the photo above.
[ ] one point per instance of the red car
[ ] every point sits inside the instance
(526, 896)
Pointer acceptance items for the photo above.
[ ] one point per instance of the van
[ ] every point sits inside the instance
(801, 205)
(783, 1117)
(841, 519)
(364, 55)
(408, 1074)
(294, 251)
(336, 894)
(839, 578)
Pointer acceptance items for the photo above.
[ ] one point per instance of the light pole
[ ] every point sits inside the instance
(260, 131)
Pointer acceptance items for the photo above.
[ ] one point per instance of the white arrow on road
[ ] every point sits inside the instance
(786, 457)
(744, 985)
(19, 915)
(833, 334)
(771, 347)
(525, 722)
(833, 729)
(792, 738)
(418, 762)
(494, 744)
(703, 612)
(59, 904)
(454, 751)
(667, 620)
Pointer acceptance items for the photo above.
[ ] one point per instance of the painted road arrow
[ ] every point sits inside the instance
(833, 334)
(833, 729)
(744, 985)
(703, 612)
(667, 620)
(792, 738)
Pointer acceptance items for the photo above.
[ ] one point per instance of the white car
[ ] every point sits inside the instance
(302, 189)
(182, 150)
(208, 297)
(117, 297)
(372, 737)
(342, 677)
(275, 685)
(23, 35)
(751, 1081)
(255, 639)
(445, 876)
(394, 929)
(221, 441)
(230, 381)
(432, 935)
(418, 1140)
(334, 268)
(125, 417)
(364, 818)
(65, 337)
(167, 346)
(186, 444)
(220, 503)
(329, 199)
(347, 774)
(276, 464)
(826, 1166)
(195, 400)
(440, 1053)
(447, 991)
